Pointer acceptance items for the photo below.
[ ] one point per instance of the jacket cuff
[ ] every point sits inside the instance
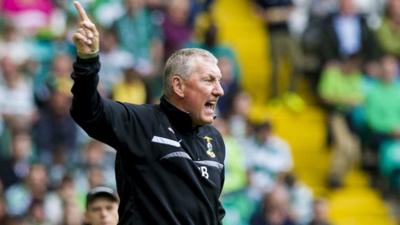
(85, 61)
(85, 67)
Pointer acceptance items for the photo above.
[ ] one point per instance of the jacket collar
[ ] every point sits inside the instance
(179, 119)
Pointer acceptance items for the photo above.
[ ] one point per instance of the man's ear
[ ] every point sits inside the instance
(178, 85)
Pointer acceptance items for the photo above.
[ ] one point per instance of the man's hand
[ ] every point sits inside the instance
(86, 37)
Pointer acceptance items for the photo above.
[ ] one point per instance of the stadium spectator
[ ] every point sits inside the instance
(101, 206)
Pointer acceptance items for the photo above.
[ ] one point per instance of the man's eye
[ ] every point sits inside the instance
(96, 210)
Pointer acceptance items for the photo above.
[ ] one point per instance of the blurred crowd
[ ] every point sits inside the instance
(347, 49)
(356, 65)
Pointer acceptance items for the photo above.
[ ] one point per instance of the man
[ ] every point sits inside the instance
(346, 33)
(101, 206)
(276, 15)
(169, 162)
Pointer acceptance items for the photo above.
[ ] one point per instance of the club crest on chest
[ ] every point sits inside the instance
(210, 151)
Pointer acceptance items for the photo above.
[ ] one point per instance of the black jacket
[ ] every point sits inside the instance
(167, 172)
(330, 49)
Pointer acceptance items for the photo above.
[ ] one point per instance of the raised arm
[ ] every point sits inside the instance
(101, 118)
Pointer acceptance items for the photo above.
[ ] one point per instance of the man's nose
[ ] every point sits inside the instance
(218, 91)
(103, 213)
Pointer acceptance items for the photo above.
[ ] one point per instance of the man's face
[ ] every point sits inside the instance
(348, 7)
(202, 91)
(102, 211)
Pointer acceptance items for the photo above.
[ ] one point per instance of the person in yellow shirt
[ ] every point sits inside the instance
(132, 89)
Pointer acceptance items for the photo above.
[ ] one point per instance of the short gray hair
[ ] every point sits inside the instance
(181, 63)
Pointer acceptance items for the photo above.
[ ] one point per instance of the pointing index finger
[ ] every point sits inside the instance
(82, 13)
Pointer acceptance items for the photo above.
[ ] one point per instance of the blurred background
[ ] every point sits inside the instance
(310, 116)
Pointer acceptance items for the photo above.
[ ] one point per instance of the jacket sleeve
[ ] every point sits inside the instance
(221, 210)
(101, 118)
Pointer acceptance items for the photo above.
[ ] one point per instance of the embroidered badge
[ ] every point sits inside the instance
(210, 151)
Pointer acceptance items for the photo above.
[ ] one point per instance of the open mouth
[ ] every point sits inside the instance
(211, 105)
